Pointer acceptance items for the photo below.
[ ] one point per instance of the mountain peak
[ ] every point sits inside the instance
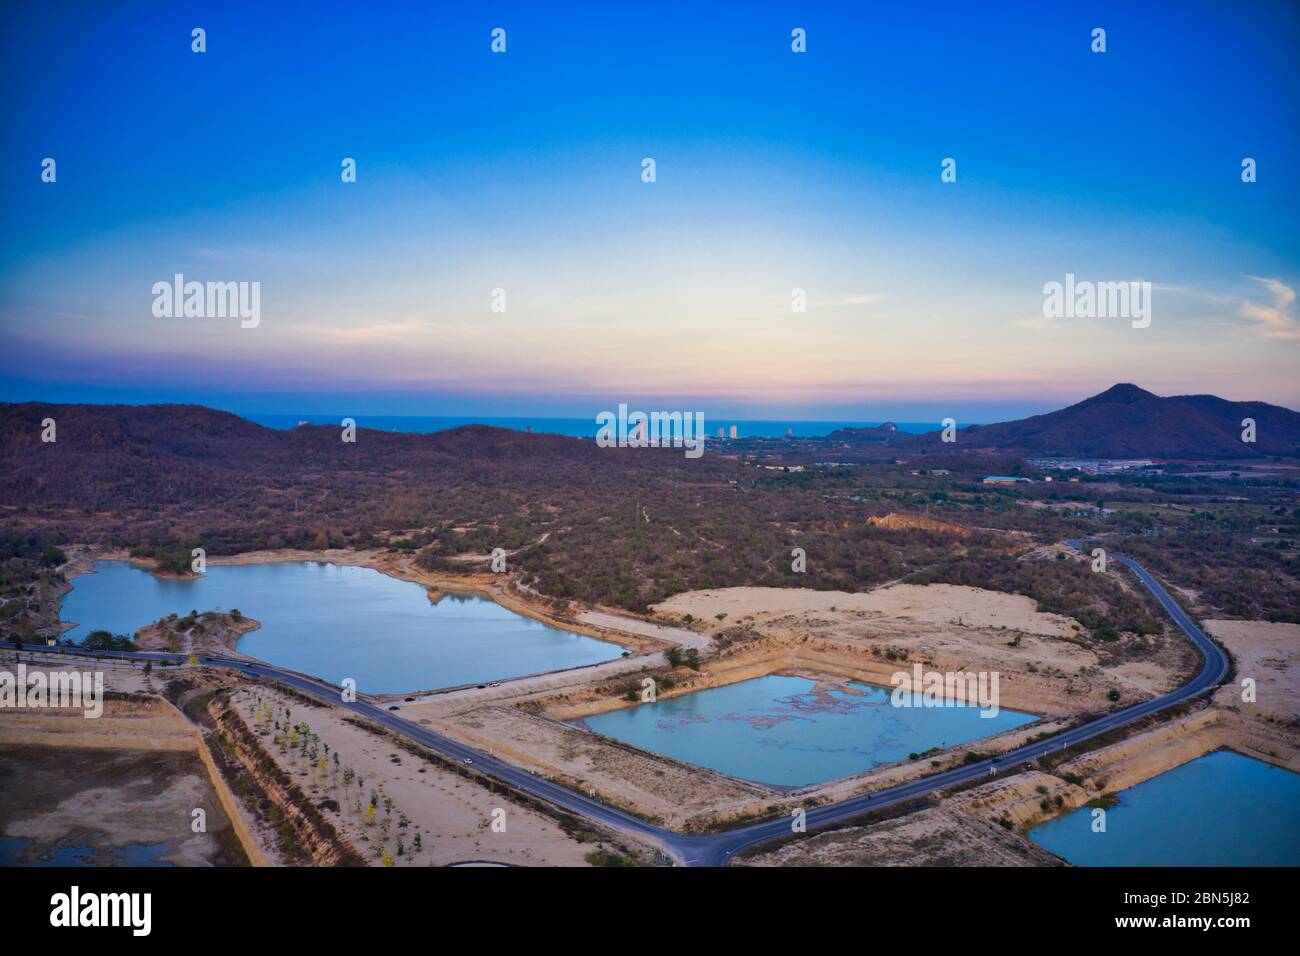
(1124, 393)
(1129, 422)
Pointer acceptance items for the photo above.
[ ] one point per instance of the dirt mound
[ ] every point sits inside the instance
(899, 522)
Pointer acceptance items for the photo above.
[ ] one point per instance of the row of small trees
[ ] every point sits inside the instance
(308, 753)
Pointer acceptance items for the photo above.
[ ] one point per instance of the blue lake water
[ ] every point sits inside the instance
(16, 851)
(788, 731)
(1222, 809)
(335, 621)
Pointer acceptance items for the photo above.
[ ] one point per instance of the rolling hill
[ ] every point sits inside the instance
(1129, 422)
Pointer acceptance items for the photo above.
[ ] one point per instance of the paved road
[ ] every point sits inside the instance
(716, 849)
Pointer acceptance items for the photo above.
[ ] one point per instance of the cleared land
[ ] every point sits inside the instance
(453, 814)
(111, 807)
(1046, 665)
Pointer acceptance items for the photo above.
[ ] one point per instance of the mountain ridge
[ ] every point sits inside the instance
(1124, 421)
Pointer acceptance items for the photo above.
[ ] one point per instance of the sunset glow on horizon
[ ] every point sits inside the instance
(774, 173)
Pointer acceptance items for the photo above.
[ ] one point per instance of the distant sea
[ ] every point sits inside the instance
(578, 427)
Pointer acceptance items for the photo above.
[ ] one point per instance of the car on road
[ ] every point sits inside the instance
(467, 760)
(393, 707)
(495, 683)
(408, 699)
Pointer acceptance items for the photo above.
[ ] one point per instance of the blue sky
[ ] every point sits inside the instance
(522, 171)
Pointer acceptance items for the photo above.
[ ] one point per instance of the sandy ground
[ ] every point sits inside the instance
(532, 730)
(660, 632)
(935, 604)
(108, 800)
(212, 633)
(828, 636)
(933, 837)
(121, 677)
(676, 794)
(1266, 729)
(1268, 654)
(453, 814)
(952, 628)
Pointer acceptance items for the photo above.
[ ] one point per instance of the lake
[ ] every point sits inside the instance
(335, 621)
(791, 731)
(1221, 809)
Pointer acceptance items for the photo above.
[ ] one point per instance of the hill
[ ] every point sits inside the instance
(621, 527)
(1129, 422)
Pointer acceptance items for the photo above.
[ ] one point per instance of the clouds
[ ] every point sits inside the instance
(395, 332)
(1276, 321)
(860, 298)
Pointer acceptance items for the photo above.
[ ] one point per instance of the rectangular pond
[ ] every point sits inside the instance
(1222, 809)
(793, 731)
(337, 621)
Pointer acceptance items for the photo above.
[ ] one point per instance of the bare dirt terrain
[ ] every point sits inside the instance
(212, 632)
(934, 837)
(110, 807)
(1047, 664)
(653, 786)
(1046, 667)
(452, 814)
(1003, 810)
(1268, 654)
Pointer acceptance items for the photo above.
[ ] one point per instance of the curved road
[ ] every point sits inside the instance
(715, 849)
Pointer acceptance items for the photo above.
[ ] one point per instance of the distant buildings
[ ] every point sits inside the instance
(1004, 480)
(1099, 466)
(734, 432)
